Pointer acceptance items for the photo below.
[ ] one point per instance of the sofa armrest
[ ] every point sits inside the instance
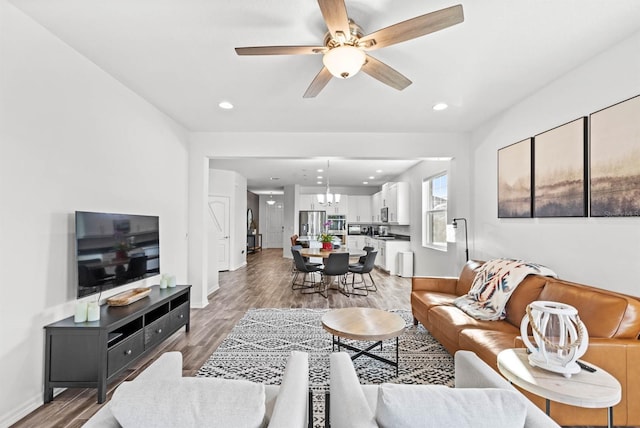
(290, 409)
(431, 283)
(167, 366)
(347, 403)
(472, 372)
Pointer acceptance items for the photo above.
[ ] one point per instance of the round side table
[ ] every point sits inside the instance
(596, 389)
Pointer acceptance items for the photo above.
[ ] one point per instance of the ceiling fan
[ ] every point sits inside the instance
(345, 46)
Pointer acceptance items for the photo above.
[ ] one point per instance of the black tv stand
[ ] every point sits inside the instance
(90, 354)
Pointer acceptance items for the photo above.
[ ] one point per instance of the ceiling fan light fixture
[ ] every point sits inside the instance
(344, 61)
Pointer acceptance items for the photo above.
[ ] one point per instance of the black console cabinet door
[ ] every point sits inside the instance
(77, 354)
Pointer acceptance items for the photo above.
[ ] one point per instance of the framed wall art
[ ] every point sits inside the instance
(615, 160)
(514, 180)
(560, 171)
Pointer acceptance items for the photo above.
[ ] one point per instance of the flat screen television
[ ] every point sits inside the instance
(115, 249)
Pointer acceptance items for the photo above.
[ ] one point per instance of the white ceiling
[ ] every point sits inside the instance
(179, 56)
(269, 175)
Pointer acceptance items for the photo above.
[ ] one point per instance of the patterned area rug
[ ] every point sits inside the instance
(258, 346)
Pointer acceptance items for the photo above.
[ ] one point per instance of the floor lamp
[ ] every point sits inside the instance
(466, 237)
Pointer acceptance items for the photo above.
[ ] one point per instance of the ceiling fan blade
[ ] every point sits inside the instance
(335, 16)
(387, 75)
(318, 84)
(281, 50)
(412, 28)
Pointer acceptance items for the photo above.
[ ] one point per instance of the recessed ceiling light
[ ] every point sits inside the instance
(371, 177)
(365, 182)
(318, 182)
(320, 170)
(274, 178)
(378, 171)
(225, 105)
(440, 106)
(319, 177)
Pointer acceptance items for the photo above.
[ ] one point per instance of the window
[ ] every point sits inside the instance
(434, 210)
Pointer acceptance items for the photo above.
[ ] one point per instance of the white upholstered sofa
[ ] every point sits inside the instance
(481, 398)
(160, 396)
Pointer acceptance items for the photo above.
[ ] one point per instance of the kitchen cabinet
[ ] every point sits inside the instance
(397, 199)
(359, 209)
(341, 207)
(376, 205)
(371, 242)
(309, 203)
(381, 260)
(388, 250)
(356, 242)
(384, 194)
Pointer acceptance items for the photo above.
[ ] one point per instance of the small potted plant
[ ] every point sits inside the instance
(326, 238)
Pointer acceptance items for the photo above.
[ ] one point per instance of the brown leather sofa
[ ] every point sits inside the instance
(612, 320)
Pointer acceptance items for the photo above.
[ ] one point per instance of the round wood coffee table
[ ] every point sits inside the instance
(366, 324)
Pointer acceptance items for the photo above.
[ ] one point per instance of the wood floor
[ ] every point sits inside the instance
(264, 283)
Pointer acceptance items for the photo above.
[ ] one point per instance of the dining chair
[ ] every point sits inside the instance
(367, 267)
(336, 266)
(362, 258)
(306, 259)
(293, 262)
(305, 269)
(294, 239)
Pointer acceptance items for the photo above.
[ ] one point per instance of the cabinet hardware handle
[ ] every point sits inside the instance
(159, 330)
(127, 352)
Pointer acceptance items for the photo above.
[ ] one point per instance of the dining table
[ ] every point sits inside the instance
(321, 252)
(327, 281)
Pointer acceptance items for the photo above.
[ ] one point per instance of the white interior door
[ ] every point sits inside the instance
(218, 233)
(275, 226)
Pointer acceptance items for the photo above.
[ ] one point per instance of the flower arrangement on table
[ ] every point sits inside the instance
(326, 238)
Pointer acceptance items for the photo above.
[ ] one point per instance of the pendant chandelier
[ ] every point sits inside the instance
(328, 198)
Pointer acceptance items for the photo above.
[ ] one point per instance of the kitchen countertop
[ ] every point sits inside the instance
(387, 237)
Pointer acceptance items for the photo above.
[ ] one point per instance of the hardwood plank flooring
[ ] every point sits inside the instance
(265, 282)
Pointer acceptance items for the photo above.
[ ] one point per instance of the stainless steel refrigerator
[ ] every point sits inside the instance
(312, 223)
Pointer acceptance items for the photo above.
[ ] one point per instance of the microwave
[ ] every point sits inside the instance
(384, 214)
(336, 223)
(354, 229)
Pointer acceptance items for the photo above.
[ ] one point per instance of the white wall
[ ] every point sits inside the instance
(290, 218)
(429, 261)
(598, 251)
(72, 138)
